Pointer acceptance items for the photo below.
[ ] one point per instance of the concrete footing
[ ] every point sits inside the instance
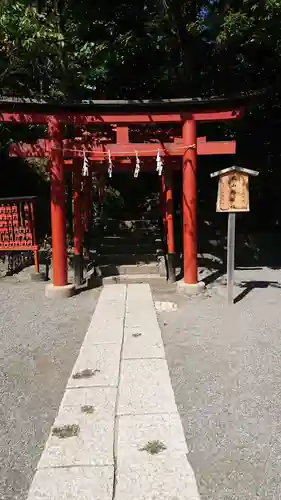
(38, 277)
(190, 289)
(171, 267)
(78, 269)
(59, 292)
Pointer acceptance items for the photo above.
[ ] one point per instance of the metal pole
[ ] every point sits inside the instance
(230, 256)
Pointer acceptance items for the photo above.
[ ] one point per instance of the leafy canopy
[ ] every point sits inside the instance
(105, 49)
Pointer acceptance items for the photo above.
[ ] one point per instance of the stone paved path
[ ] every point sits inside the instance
(119, 407)
(225, 365)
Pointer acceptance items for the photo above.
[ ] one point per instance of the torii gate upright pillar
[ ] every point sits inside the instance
(78, 227)
(169, 217)
(190, 281)
(163, 203)
(60, 286)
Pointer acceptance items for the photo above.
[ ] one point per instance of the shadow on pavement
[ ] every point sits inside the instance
(248, 286)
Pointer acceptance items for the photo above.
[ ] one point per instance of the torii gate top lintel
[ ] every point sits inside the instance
(120, 116)
(22, 110)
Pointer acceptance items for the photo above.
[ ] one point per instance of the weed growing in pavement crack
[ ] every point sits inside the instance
(154, 447)
(87, 409)
(66, 431)
(87, 373)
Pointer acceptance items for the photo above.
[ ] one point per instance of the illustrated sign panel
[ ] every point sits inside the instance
(17, 230)
(233, 192)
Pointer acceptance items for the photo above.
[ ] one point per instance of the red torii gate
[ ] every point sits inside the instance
(120, 115)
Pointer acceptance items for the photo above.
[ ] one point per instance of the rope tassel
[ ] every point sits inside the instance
(159, 163)
(137, 167)
(110, 165)
(85, 168)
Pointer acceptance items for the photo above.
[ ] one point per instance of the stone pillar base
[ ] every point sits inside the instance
(171, 267)
(78, 269)
(188, 289)
(38, 276)
(59, 292)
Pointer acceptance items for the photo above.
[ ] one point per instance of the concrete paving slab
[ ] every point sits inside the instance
(102, 399)
(142, 335)
(116, 310)
(104, 327)
(140, 312)
(106, 330)
(135, 299)
(135, 431)
(143, 314)
(92, 446)
(140, 318)
(110, 294)
(139, 294)
(83, 483)
(142, 342)
(104, 358)
(170, 478)
(145, 387)
(115, 300)
(116, 307)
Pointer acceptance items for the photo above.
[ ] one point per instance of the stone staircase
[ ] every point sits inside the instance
(129, 251)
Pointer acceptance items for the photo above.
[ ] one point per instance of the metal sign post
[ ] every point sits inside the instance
(233, 196)
(230, 256)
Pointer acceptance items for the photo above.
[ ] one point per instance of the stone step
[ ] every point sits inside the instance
(152, 279)
(126, 259)
(132, 225)
(129, 249)
(139, 233)
(130, 239)
(132, 269)
(129, 222)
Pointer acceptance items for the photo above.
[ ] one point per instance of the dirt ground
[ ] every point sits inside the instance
(225, 365)
(39, 342)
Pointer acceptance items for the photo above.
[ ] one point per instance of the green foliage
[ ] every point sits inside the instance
(136, 49)
(247, 43)
(30, 52)
(69, 49)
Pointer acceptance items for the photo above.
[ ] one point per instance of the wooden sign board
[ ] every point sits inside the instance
(233, 192)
